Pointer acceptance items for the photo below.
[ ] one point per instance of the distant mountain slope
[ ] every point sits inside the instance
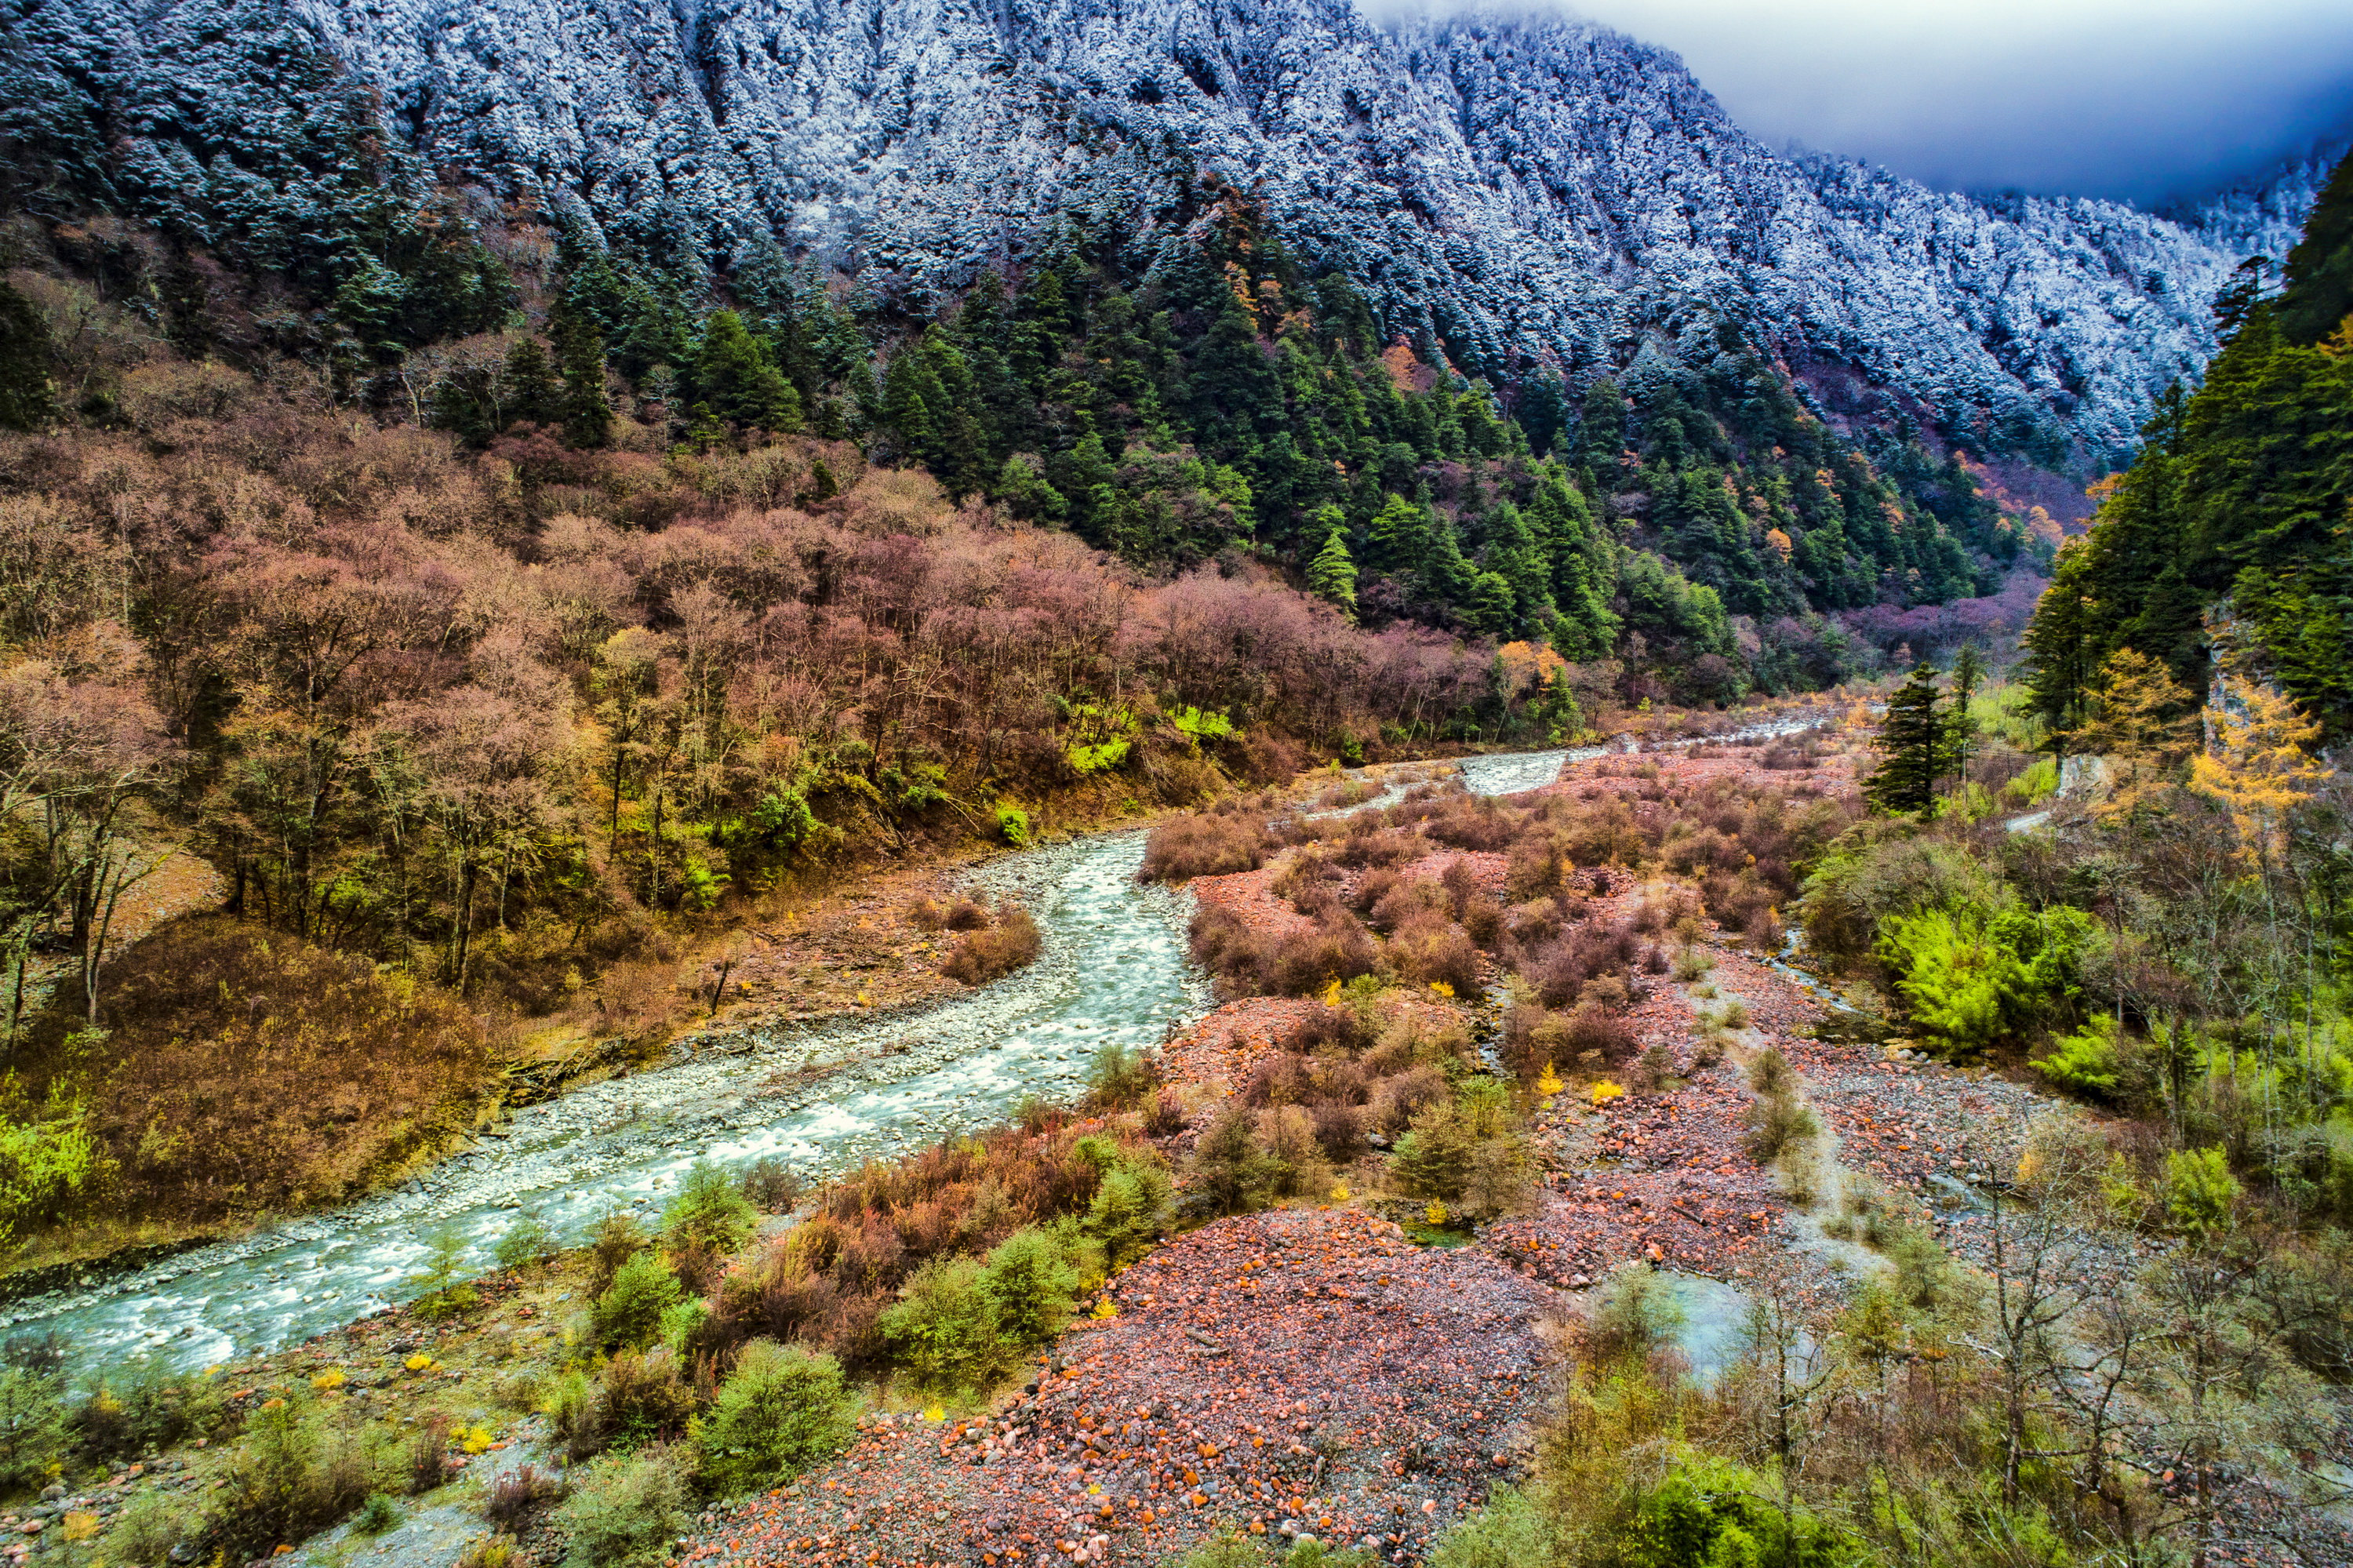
(1527, 190)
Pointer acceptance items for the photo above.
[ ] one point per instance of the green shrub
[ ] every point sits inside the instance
(51, 1163)
(1861, 885)
(1012, 824)
(626, 1513)
(1960, 986)
(1635, 1317)
(32, 1425)
(376, 1515)
(570, 1407)
(629, 1312)
(444, 1292)
(1121, 1077)
(680, 1319)
(528, 1241)
(1291, 1161)
(2199, 1190)
(1226, 1162)
(2086, 1062)
(1131, 1209)
(619, 1238)
(295, 1475)
(1228, 1549)
(945, 1332)
(152, 1528)
(710, 1212)
(1508, 1532)
(140, 1405)
(1707, 1512)
(1971, 979)
(1031, 1285)
(1198, 724)
(782, 1408)
(2037, 784)
(1433, 1159)
(1779, 1123)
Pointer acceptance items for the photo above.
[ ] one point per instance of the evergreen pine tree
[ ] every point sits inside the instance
(586, 417)
(1913, 749)
(735, 377)
(1968, 673)
(1332, 574)
(2319, 292)
(531, 392)
(1601, 428)
(1400, 535)
(1491, 606)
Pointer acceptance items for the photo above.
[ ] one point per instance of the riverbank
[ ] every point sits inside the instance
(1257, 1345)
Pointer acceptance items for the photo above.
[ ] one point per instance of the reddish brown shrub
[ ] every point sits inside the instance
(1165, 1116)
(1398, 1098)
(966, 915)
(1282, 1080)
(1371, 888)
(1600, 1031)
(1330, 1028)
(1403, 902)
(1305, 963)
(1478, 822)
(1339, 1132)
(1582, 955)
(983, 956)
(1430, 949)
(518, 1497)
(1535, 1038)
(1368, 844)
(1205, 845)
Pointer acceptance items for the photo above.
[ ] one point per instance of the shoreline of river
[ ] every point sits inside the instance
(602, 1131)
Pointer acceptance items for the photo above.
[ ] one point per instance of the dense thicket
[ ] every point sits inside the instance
(2244, 490)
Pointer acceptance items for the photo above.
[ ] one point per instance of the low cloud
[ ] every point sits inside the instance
(2147, 100)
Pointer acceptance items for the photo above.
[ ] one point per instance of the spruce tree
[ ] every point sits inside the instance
(1332, 574)
(2319, 291)
(1968, 673)
(530, 392)
(735, 375)
(586, 417)
(1912, 746)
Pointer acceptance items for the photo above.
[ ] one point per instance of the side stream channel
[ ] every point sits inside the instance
(1114, 971)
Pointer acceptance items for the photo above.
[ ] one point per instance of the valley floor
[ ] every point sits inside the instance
(1346, 1370)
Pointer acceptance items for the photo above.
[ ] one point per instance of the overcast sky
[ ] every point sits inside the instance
(2140, 99)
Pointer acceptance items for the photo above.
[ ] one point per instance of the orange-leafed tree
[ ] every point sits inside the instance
(2256, 763)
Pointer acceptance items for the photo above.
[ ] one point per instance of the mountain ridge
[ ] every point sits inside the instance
(1526, 191)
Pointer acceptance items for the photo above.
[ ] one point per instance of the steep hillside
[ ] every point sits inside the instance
(2226, 539)
(1528, 191)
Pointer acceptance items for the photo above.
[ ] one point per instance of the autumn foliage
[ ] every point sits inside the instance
(244, 1070)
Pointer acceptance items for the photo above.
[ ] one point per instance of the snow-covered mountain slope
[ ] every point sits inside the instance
(1526, 188)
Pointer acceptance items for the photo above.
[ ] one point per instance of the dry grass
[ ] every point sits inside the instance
(245, 1070)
